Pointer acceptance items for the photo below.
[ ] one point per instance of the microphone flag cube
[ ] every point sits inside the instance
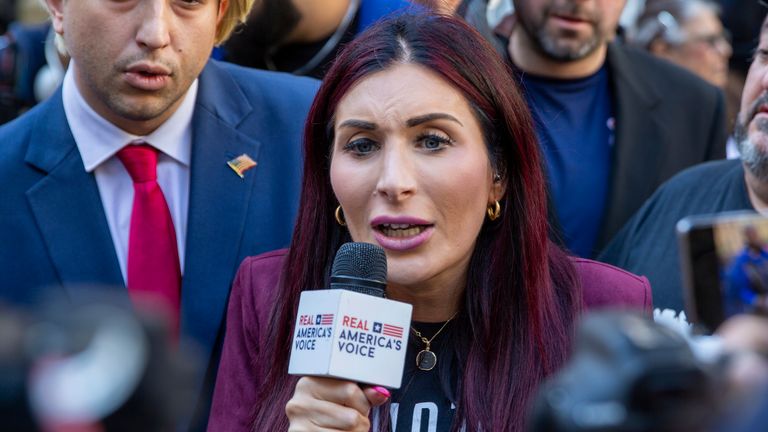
(348, 335)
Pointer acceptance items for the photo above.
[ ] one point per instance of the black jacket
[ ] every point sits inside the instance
(667, 119)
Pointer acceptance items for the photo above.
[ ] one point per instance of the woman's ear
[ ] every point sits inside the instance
(498, 187)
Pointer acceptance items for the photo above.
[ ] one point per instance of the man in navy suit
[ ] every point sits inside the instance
(224, 142)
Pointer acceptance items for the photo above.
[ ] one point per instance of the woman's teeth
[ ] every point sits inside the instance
(401, 230)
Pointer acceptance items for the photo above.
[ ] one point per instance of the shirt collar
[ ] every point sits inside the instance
(98, 140)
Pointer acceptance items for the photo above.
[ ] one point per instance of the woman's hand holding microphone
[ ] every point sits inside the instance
(327, 404)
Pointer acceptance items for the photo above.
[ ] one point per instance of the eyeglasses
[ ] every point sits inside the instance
(671, 31)
(714, 41)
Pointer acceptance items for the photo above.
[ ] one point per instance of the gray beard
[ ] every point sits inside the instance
(550, 45)
(754, 158)
(551, 48)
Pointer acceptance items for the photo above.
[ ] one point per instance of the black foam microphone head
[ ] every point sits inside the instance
(360, 267)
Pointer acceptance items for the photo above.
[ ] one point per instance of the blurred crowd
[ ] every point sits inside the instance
(702, 36)
(657, 114)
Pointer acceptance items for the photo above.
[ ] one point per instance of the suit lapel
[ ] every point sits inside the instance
(66, 205)
(637, 125)
(218, 205)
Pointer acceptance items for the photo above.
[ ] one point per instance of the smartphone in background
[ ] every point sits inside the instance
(724, 260)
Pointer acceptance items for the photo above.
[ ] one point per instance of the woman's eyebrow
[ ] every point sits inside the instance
(432, 116)
(358, 124)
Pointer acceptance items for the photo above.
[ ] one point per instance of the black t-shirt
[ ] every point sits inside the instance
(575, 126)
(647, 245)
(425, 401)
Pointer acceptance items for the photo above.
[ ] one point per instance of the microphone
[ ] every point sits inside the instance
(351, 331)
(360, 267)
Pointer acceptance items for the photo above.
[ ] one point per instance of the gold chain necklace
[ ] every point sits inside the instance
(426, 359)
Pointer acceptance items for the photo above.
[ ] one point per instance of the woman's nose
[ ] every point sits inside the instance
(397, 175)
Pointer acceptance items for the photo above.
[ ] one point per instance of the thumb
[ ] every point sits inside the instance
(376, 395)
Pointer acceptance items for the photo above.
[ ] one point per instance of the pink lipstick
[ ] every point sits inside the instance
(401, 233)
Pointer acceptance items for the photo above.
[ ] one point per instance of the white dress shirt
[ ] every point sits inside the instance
(98, 141)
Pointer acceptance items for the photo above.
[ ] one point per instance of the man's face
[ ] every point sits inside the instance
(567, 30)
(751, 130)
(135, 59)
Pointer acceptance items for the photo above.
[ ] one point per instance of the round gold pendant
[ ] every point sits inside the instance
(426, 360)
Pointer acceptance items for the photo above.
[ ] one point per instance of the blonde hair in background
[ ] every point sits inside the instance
(235, 14)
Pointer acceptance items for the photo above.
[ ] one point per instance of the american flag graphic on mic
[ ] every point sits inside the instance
(388, 330)
(326, 319)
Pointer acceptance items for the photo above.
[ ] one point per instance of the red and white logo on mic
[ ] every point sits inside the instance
(316, 320)
(310, 328)
(358, 338)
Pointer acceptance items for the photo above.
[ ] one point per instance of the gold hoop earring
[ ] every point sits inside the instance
(494, 210)
(340, 217)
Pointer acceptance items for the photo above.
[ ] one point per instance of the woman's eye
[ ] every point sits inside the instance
(361, 146)
(434, 142)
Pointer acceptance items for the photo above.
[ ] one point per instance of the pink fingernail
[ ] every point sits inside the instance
(382, 390)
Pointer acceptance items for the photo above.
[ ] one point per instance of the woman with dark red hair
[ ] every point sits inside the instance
(420, 142)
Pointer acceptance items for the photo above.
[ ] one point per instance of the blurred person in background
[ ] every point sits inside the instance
(688, 33)
(31, 67)
(302, 36)
(613, 122)
(746, 276)
(648, 243)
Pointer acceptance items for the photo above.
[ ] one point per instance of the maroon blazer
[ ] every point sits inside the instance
(241, 372)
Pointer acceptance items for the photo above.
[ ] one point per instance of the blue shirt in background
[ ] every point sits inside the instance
(574, 124)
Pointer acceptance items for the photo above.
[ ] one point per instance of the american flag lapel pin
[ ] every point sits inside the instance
(241, 164)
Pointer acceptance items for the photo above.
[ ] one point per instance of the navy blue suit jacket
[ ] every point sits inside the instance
(52, 225)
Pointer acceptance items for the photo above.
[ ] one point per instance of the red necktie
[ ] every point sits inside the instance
(154, 274)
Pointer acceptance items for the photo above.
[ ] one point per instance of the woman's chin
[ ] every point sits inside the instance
(408, 273)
